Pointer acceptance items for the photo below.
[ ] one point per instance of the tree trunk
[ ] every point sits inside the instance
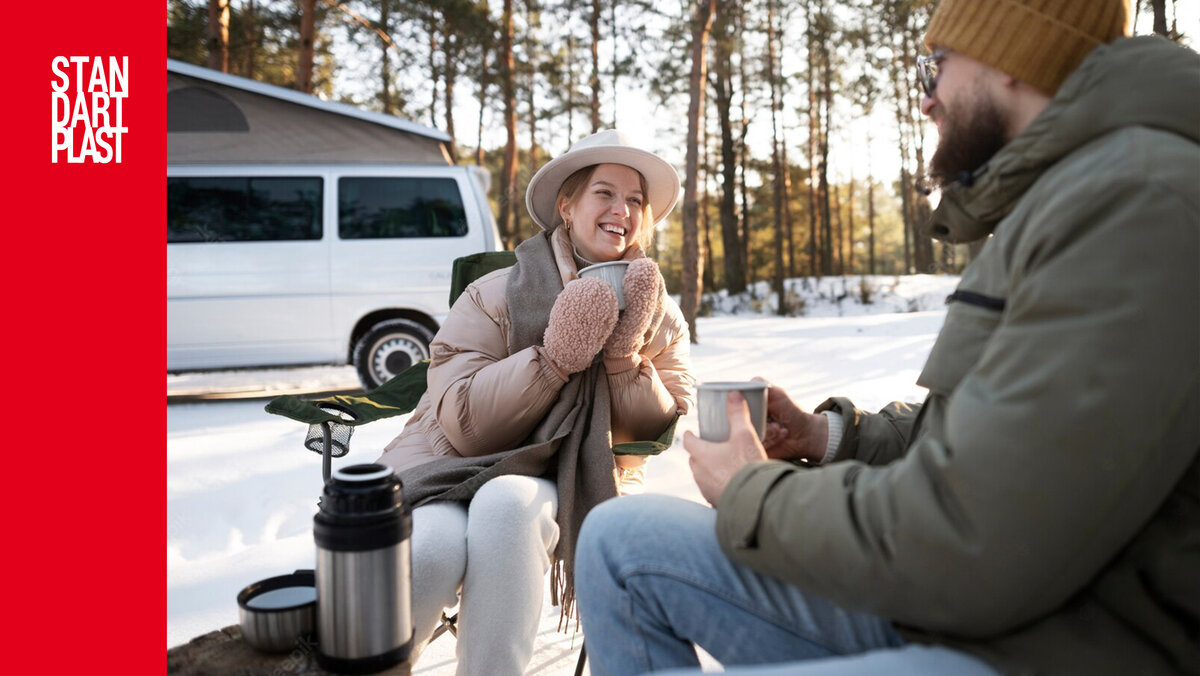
(849, 269)
(308, 23)
(871, 224)
(1160, 17)
(612, 19)
(530, 23)
(508, 174)
(218, 35)
(594, 82)
(787, 207)
(692, 262)
(250, 35)
(826, 104)
(385, 65)
(743, 158)
(811, 147)
(570, 89)
(482, 107)
(923, 258)
(450, 49)
(906, 211)
(484, 78)
(704, 208)
(435, 72)
(776, 165)
(870, 208)
(902, 125)
(922, 243)
(735, 274)
(838, 235)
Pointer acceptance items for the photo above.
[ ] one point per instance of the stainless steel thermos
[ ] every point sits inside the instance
(364, 568)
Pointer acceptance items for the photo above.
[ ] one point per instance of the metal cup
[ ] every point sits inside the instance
(276, 613)
(714, 422)
(613, 273)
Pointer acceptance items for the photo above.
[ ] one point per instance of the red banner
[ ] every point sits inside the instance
(85, 325)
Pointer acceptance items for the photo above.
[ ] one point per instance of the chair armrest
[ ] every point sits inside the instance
(648, 447)
(395, 397)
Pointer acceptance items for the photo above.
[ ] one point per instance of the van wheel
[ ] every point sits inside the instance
(388, 349)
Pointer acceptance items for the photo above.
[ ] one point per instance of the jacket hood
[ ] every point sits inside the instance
(1144, 81)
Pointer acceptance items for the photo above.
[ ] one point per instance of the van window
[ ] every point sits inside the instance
(243, 209)
(376, 207)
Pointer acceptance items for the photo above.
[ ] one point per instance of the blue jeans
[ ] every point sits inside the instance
(651, 582)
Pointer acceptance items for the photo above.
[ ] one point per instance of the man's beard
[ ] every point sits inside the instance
(969, 138)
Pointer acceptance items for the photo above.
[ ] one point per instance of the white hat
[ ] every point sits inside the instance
(605, 147)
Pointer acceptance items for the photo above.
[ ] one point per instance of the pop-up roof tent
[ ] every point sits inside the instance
(216, 118)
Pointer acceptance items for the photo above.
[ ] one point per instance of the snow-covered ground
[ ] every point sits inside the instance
(847, 296)
(241, 489)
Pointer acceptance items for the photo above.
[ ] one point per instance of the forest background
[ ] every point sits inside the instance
(796, 122)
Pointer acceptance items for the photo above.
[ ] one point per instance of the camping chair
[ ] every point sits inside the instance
(331, 420)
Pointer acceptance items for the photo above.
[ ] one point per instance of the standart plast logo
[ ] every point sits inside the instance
(88, 94)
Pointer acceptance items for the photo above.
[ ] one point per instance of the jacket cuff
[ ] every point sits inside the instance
(835, 435)
(548, 367)
(845, 447)
(740, 507)
(615, 365)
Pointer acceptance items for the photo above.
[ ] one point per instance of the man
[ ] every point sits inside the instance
(1040, 512)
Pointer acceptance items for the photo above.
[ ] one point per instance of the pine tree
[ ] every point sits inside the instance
(693, 264)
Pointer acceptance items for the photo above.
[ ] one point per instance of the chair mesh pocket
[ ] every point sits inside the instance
(339, 434)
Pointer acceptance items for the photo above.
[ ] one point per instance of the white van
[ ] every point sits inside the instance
(272, 265)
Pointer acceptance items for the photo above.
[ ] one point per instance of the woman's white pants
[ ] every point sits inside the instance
(490, 557)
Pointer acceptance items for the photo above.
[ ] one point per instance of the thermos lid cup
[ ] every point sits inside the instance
(274, 613)
(359, 474)
(362, 508)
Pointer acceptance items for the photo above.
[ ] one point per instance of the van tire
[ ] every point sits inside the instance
(388, 349)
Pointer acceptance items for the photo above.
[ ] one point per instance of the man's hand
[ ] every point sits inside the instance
(714, 463)
(793, 434)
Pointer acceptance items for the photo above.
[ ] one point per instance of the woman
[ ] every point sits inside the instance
(511, 444)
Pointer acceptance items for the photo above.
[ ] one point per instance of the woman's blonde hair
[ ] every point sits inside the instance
(572, 188)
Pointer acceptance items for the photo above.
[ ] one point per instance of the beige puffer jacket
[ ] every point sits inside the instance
(483, 400)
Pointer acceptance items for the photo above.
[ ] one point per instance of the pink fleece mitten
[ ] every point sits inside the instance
(644, 289)
(582, 317)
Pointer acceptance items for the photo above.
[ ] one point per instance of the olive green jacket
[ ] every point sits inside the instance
(1041, 509)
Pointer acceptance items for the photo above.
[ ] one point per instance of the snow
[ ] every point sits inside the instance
(242, 490)
(846, 296)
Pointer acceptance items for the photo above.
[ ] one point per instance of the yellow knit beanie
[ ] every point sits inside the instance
(1039, 42)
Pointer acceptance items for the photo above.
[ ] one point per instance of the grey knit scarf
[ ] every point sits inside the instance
(572, 444)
